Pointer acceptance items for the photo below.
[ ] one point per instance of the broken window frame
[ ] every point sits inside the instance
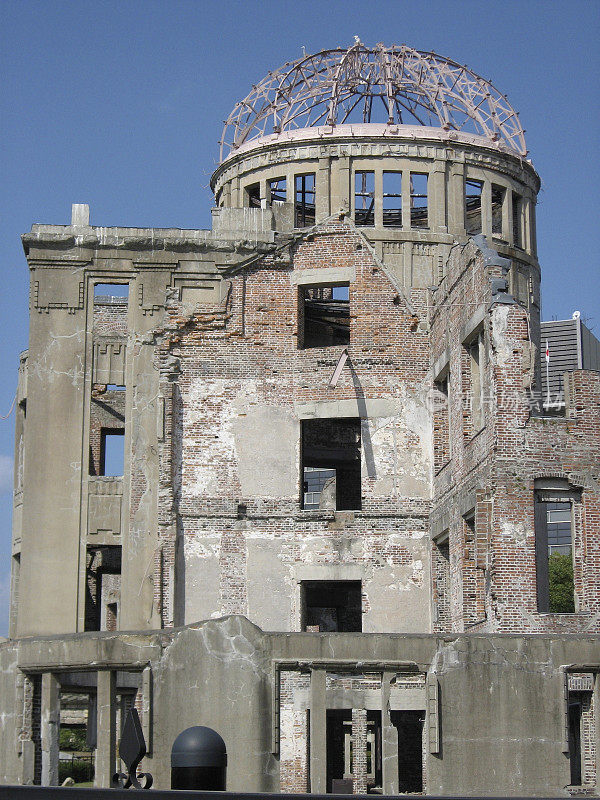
(392, 200)
(364, 198)
(473, 206)
(304, 207)
(252, 195)
(277, 188)
(419, 210)
(308, 315)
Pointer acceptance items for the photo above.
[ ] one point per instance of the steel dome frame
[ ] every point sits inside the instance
(403, 85)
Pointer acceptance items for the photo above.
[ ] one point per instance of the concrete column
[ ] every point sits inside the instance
(437, 202)
(533, 233)
(406, 199)
(486, 210)
(340, 199)
(507, 218)
(50, 727)
(389, 739)
(378, 198)
(525, 224)
(359, 750)
(456, 199)
(322, 189)
(318, 731)
(107, 729)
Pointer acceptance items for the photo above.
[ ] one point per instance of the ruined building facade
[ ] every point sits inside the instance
(294, 478)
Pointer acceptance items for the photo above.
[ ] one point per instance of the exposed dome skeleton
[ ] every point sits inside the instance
(394, 85)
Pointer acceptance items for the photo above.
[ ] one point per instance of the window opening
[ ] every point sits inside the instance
(332, 446)
(392, 199)
(575, 738)
(114, 387)
(473, 385)
(305, 200)
(364, 198)
(473, 192)
(498, 196)
(418, 200)
(324, 316)
(554, 558)
(77, 736)
(253, 195)
(517, 207)
(103, 586)
(409, 725)
(112, 452)
(441, 565)
(277, 190)
(104, 290)
(441, 423)
(330, 606)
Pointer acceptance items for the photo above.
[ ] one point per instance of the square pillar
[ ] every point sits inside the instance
(106, 761)
(322, 190)
(437, 198)
(50, 727)
(389, 739)
(359, 750)
(456, 199)
(318, 731)
(378, 210)
(486, 210)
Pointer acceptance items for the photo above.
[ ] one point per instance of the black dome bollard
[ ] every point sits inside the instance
(198, 760)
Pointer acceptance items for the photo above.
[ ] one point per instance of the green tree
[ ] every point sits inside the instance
(560, 579)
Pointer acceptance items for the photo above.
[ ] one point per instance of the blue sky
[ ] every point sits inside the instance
(120, 105)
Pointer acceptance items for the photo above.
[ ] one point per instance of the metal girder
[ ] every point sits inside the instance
(393, 85)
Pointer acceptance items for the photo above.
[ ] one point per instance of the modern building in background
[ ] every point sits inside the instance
(289, 478)
(568, 344)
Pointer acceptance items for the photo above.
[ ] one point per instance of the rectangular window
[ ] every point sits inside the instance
(331, 447)
(418, 200)
(441, 423)
(473, 384)
(277, 190)
(364, 198)
(517, 213)
(111, 290)
(112, 452)
(324, 316)
(473, 192)
(103, 576)
(253, 195)
(329, 606)
(554, 558)
(305, 200)
(498, 197)
(392, 199)
(441, 574)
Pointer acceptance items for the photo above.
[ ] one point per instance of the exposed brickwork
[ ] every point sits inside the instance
(110, 316)
(495, 570)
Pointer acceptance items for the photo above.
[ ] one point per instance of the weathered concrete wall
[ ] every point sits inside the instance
(500, 718)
